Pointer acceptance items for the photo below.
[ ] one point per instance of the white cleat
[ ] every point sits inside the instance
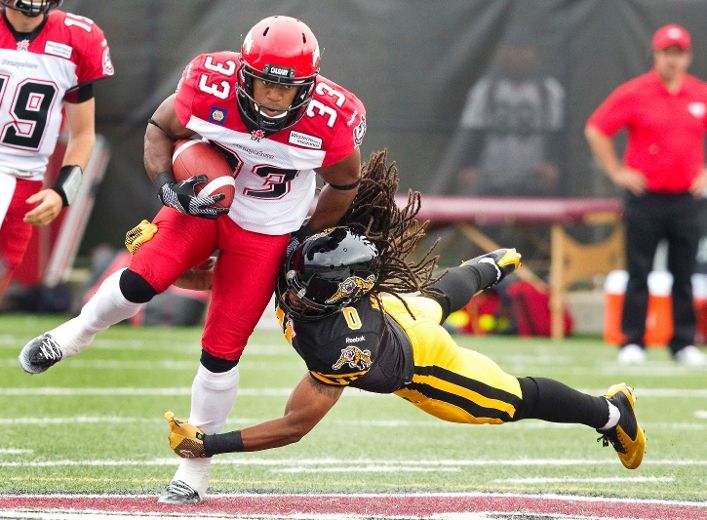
(179, 493)
(631, 354)
(690, 356)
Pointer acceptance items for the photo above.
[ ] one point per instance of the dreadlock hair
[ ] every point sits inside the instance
(395, 231)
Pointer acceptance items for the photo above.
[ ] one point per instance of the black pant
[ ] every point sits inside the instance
(650, 218)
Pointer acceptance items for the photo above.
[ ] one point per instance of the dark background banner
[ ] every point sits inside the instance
(412, 62)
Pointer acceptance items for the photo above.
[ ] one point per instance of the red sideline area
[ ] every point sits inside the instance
(377, 505)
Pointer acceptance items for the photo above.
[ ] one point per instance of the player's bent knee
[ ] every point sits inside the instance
(529, 391)
(135, 288)
(216, 364)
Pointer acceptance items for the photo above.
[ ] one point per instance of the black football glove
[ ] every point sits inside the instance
(181, 196)
(299, 236)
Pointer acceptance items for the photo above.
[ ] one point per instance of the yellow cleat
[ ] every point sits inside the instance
(626, 437)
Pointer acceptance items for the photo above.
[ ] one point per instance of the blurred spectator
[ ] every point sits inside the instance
(663, 174)
(510, 128)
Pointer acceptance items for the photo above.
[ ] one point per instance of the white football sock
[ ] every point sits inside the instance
(614, 416)
(107, 307)
(212, 397)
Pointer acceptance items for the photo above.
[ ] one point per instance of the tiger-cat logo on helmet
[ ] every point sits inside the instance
(352, 287)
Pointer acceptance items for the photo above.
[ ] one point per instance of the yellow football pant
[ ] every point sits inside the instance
(450, 382)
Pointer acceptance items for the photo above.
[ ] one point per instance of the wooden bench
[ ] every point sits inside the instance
(570, 259)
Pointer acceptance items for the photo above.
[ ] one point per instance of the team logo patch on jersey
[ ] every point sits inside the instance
(58, 49)
(354, 357)
(359, 131)
(352, 287)
(218, 115)
(697, 109)
(308, 141)
(23, 45)
(257, 135)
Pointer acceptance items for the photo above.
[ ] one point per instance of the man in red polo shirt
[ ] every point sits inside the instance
(663, 173)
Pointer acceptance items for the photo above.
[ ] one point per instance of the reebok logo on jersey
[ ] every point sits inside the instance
(356, 339)
(58, 49)
(697, 109)
(305, 140)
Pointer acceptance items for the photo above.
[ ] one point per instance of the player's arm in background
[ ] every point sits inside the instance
(80, 118)
(309, 402)
(342, 181)
(604, 152)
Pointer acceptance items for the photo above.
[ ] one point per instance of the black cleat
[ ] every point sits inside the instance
(626, 437)
(40, 354)
(179, 493)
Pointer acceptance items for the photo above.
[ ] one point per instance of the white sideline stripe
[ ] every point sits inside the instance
(14, 451)
(274, 392)
(191, 364)
(328, 462)
(393, 468)
(446, 494)
(385, 423)
(600, 480)
(701, 414)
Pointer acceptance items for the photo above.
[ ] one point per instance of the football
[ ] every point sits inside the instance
(192, 157)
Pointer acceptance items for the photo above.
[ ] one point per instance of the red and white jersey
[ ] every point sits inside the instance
(274, 175)
(69, 51)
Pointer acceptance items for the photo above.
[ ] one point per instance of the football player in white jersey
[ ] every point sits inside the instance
(49, 60)
(279, 123)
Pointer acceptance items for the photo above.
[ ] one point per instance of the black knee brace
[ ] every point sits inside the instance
(135, 288)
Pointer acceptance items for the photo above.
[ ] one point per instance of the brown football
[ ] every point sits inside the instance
(193, 157)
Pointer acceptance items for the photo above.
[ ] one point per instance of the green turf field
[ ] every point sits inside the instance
(93, 424)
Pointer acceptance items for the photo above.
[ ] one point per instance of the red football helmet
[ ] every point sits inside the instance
(278, 49)
(31, 7)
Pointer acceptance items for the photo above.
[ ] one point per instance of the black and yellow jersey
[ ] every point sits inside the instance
(352, 347)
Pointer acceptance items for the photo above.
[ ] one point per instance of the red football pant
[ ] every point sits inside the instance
(14, 233)
(244, 277)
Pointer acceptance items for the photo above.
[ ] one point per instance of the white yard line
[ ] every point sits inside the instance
(276, 392)
(365, 423)
(598, 480)
(279, 464)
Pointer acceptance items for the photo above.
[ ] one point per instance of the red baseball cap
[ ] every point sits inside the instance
(671, 34)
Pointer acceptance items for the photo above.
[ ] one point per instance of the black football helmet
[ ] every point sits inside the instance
(31, 7)
(328, 271)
